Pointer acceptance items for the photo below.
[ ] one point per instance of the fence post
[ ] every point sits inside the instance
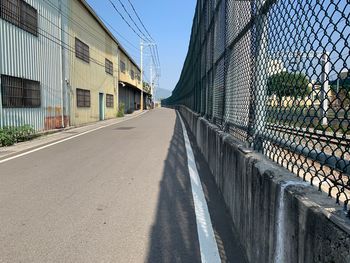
(224, 117)
(260, 74)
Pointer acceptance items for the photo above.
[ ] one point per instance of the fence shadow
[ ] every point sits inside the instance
(174, 232)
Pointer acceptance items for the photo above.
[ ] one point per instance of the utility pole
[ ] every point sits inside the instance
(260, 78)
(141, 77)
(147, 44)
(151, 80)
(62, 61)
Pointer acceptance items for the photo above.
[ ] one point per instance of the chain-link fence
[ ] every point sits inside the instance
(275, 74)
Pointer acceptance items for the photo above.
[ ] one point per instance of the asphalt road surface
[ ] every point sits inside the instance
(117, 194)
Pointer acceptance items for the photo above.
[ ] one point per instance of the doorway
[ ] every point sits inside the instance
(101, 107)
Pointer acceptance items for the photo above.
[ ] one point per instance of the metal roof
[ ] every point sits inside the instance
(98, 19)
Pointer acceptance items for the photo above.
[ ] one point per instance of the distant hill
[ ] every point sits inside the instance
(162, 93)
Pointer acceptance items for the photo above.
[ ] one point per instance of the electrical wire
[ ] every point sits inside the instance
(153, 47)
(138, 17)
(77, 23)
(121, 15)
(133, 21)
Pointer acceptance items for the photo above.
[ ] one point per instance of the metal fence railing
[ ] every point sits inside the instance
(275, 74)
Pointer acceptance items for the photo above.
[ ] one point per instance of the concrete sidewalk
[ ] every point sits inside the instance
(57, 135)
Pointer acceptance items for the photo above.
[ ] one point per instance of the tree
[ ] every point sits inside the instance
(284, 84)
(146, 87)
(341, 91)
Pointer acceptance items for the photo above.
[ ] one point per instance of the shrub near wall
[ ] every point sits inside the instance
(121, 110)
(12, 135)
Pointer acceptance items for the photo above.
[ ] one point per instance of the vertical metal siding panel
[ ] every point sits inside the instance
(36, 58)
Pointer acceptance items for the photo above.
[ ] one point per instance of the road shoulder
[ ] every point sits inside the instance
(42, 141)
(230, 249)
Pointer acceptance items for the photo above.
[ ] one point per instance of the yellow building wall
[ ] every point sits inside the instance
(91, 76)
(126, 76)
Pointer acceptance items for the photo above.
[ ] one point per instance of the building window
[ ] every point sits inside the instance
(109, 66)
(82, 50)
(109, 101)
(21, 14)
(19, 93)
(83, 98)
(132, 74)
(122, 66)
(138, 78)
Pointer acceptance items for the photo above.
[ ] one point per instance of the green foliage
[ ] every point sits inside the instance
(285, 84)
(121, 110)
(340, 85)
(24, 133)
(146, 87)
(11, 135)
(6, 139)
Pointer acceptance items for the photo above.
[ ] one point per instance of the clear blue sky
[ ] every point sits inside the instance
(168, 21)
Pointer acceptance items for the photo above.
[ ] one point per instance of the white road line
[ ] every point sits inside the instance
(64, 140)
(207, 242)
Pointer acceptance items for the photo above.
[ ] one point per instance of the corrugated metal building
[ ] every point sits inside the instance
(59, 65)
(31, 65)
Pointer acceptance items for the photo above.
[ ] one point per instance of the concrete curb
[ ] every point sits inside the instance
(279, 217)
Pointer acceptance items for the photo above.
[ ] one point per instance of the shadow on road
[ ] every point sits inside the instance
(174, 233)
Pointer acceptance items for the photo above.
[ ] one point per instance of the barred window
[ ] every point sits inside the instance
(138, 78)
(19, 92)
(83, 98)
(109, 101)
(109, 66)
(122, 66)
(29, 18)
(132, 74)
(21, 14)
(82, 50)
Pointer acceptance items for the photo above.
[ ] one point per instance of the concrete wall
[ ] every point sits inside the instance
(279, 218)
(91, 76)
(126, 76)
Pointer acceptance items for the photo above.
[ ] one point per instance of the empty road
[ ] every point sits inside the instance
(118, 194)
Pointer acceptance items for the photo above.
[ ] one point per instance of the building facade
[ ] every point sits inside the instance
(129, 83)
(93, 66)
(59, 65)
(31, 84)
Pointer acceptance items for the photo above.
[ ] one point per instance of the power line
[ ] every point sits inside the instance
(86, 29)
(68, 17)
(120, 14)
(133, 21)
(157, 55)
(60, 42)
(131, 44)
(67, 33)
(70, 35)
(154, 53)
(138, 17)
(153, 47)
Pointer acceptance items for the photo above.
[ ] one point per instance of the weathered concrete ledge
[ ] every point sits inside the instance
(278, 217)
